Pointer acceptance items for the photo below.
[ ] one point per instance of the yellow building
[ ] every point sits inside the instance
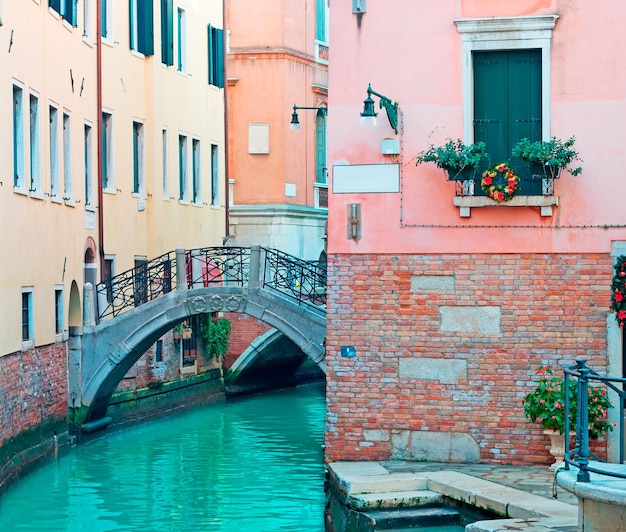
(112, 153)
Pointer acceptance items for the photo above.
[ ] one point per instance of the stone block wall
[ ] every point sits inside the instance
(447, 346)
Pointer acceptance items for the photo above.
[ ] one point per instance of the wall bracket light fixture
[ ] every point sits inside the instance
(390, 107)
(295, 123)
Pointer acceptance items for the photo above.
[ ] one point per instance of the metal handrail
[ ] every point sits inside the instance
(136, 286)
(217, 265)
(303, 281)
(580, 454)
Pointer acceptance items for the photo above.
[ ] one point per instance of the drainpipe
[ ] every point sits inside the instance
(99, 134)
(226, 150)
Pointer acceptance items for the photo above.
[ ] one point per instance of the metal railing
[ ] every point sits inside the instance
(136, 286)
(579, 455)
(298, 279)
(217, 265)
(304, 281)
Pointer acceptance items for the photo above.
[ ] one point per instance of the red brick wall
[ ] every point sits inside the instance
(33, 389)
(553, 310)
(244, 329)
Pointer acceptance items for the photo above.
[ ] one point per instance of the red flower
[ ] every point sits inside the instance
(621, 315)
(622, 274)
(501, 197)
(488, 181)
(618, 296)
(501, 167)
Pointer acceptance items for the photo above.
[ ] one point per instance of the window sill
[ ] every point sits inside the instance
(466, 203)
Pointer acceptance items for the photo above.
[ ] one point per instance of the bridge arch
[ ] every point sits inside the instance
(111, 348)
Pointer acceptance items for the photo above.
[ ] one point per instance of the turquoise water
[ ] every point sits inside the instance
(250, 464)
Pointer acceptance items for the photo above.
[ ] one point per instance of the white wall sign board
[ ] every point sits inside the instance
(365, 178)
(258, 138)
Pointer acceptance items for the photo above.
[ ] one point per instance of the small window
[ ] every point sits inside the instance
(67, 158)
(35, 151)
(58, 311)
(65, 8)
(165, 162)
(87, 20)
(167, 32)
(106, 20)
(183, 165)
(88, 161)
(107, 151)
(196, 172)
(142, 26)
(27, 315)
(216, 57)
(182, 40)
(215, 183)
(321, 20)
(139, 184)
(19, 169)
(55, 191)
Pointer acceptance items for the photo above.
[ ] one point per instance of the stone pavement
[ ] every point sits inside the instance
(523, 495)
(532, 479)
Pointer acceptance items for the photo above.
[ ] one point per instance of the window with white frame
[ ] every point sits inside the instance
(58, 310)
(88, 20)
(139, 173)
(19, 166)
(67, 158)
(28, 327)
(167, 32)
(141, 26)
(216, 56)
(506, 46)
(196, 172)
(34, 145)
(321, 20)
(165, 163)
(88, 162)
(106, 20)
(55, 187)
(215, 182)
(107, 151)
(181, 40)
(66, 8)
(183, 169)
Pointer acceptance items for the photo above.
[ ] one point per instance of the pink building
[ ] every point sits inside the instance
(443, 302)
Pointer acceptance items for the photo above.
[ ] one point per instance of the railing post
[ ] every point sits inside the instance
(181, 269)
(254, 275)
(583, 420)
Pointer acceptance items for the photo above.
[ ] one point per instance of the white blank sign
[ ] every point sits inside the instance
(360, 178)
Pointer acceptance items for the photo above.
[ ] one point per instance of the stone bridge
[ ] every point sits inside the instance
(137, 307)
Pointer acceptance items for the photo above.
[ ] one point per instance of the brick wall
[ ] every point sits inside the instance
(449, 345)
(33, 389)
(244, 329)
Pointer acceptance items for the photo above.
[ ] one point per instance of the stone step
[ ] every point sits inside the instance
(413, 518)
(394, 499)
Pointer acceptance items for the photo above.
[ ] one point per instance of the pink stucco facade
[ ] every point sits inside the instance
(452, 302)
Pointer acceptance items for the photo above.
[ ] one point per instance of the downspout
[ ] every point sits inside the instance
(99, 135)
(226, 150)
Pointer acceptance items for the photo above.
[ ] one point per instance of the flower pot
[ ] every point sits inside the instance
(461, 174)
(557, 447)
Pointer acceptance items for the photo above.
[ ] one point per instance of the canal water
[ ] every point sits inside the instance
(250, 464)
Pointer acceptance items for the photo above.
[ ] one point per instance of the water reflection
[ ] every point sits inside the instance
(251, 464)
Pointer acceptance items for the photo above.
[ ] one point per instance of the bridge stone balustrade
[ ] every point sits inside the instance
(102, 354)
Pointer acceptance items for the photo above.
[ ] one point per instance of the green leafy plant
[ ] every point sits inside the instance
(215, 335)
(454, 155)
(555, 154)
(546, 404)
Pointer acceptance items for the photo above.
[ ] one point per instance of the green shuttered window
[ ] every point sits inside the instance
(141, 18)
(167, 32)
(507, 104)
(216, 56)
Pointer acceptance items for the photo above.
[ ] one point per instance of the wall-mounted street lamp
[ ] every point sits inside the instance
(295, 123)
(369, 115)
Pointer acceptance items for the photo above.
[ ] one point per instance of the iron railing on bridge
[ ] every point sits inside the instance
(136, 286)
(301, 280)
(304, 281)
(580, 454)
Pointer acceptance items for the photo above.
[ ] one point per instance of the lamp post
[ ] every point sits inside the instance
(369, 115)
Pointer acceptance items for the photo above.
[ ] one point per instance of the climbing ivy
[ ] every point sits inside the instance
(215, 335)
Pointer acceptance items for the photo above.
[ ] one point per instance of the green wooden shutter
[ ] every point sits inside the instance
(507, 105)
(320, 20)
(135, 157)
(216, 56)
(167, 32)
(55, 4)
(145, 26)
